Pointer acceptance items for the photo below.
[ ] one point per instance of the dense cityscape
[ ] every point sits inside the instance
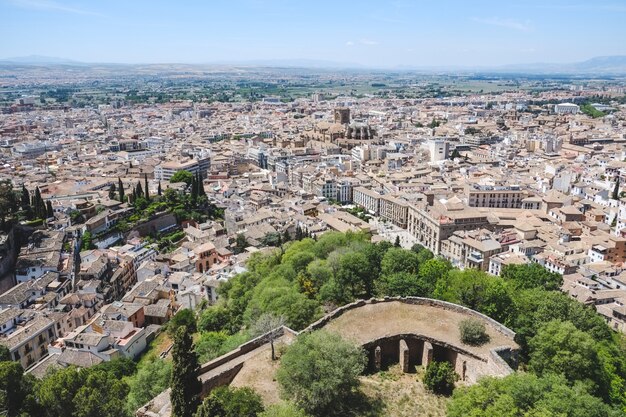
(292, 240)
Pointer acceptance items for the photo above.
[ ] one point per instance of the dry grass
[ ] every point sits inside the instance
(375, 321)
(158, 345)
(259, 374)
(403, 395)
(389, 393)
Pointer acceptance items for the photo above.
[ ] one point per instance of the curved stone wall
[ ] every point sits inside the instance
(410, 300)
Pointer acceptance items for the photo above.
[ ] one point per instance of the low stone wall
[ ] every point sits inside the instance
(220, 379)
(159, 222)
(243, 349)
(410, 300)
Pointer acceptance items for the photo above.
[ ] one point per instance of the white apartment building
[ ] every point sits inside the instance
(394, 210)
(566, 108)
(495, 197)
(438, 150)
(368, 199)
(166, 170)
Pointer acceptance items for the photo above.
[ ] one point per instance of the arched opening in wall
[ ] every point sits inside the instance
(390, 353)
(441, 354)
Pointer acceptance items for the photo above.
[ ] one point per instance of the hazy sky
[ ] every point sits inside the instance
(373, 33)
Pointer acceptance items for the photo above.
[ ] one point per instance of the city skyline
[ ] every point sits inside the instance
(368, 34)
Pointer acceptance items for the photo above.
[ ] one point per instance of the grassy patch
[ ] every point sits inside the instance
(403, 395)
(158, 345)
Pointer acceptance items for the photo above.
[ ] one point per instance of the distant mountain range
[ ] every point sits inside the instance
(604, 65)
(615, 64)
(39, 60)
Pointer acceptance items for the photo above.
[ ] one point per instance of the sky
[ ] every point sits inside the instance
(381, 34)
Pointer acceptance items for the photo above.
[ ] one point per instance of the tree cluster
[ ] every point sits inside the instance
(309, 276)
(320, 371)
(69, 392)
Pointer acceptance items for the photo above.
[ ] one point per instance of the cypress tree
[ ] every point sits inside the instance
(186, 388)
(145, 181)
(120, 186)
(40, 208)
(139, 190)
(159, 189)
(112, 192)
(194, 189)
(201, 191)
(615, 195)
(49, 210)
(25, 198)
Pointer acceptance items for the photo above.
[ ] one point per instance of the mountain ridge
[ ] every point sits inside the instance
(608, 64)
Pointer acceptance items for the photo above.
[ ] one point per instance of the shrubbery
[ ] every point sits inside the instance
(473, 332)
(440, 377)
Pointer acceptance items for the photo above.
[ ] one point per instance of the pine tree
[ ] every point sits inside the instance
(120, 186)
(186, 388)
(615, 195)
(159, 189)
(145, 181)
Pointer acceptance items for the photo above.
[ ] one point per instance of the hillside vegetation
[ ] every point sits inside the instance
(571, 362)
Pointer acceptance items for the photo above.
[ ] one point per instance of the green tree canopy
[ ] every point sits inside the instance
(527, 395)
(119, 367)
(92, 400)
(531, 275)
(5, 354)
(14, 388)
(184, 317)
(227, 401)
(320, 370)
(431, 271)
(57, 390)
(537, 307)
(478, 291)
(560, 348)
(182, 176)
(152, 378)
(402, 284)
(214, 319)
(399, 260)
